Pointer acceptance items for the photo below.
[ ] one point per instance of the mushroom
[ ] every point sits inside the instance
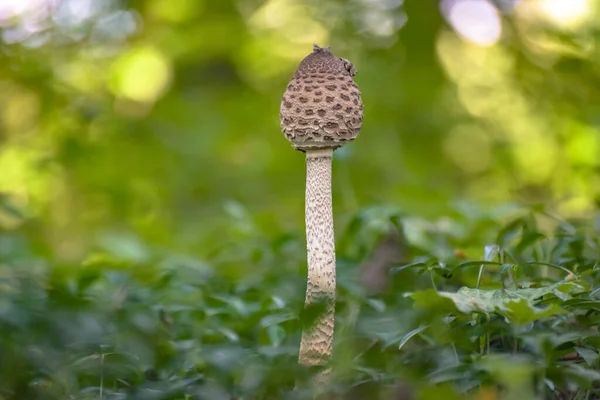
(321, 110)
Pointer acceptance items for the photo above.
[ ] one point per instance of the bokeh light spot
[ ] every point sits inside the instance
(582, 147)
(15, 8)
(566, 12)
(477, 21)
(22, 178)
(142, 75)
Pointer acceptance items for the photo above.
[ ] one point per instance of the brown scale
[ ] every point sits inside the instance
(321, 107)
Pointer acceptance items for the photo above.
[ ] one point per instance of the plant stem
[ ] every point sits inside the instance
(479, 276)
(317, 341)
(102, 376)
(432, 281)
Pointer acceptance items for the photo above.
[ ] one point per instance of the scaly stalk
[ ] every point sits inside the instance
(317, 341)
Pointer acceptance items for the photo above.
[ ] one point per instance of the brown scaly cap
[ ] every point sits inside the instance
(321, 107)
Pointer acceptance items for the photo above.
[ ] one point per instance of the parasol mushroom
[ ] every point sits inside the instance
(321, 110)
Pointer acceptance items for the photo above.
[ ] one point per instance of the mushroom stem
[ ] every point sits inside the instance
(317, 340)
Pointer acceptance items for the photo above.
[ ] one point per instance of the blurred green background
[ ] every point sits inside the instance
(152, 212)
(157, 120)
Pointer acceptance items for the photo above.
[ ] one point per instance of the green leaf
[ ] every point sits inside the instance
(452, 373)
(528, 239)
(430, 300)
(376, 304)
(125, 246)
(523, 312)
(229, 334)
(515, 373)
(589, 356)
(410, 334)
(312, 312)
(276, 319)
(444, 391)
(583, 376)
(569, 337)
(469, 264)
(469, 300)
(582, 304)
(276, 335)
(508, 233)
(395, 270)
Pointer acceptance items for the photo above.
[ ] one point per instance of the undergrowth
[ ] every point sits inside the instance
(477, 305)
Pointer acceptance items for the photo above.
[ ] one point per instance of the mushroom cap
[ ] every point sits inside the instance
(321, 107)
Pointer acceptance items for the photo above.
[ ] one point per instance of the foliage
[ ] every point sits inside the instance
(163, 325)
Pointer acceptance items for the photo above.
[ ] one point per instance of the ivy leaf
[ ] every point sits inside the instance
(431, 300)
(469, 300)
(523, 312)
